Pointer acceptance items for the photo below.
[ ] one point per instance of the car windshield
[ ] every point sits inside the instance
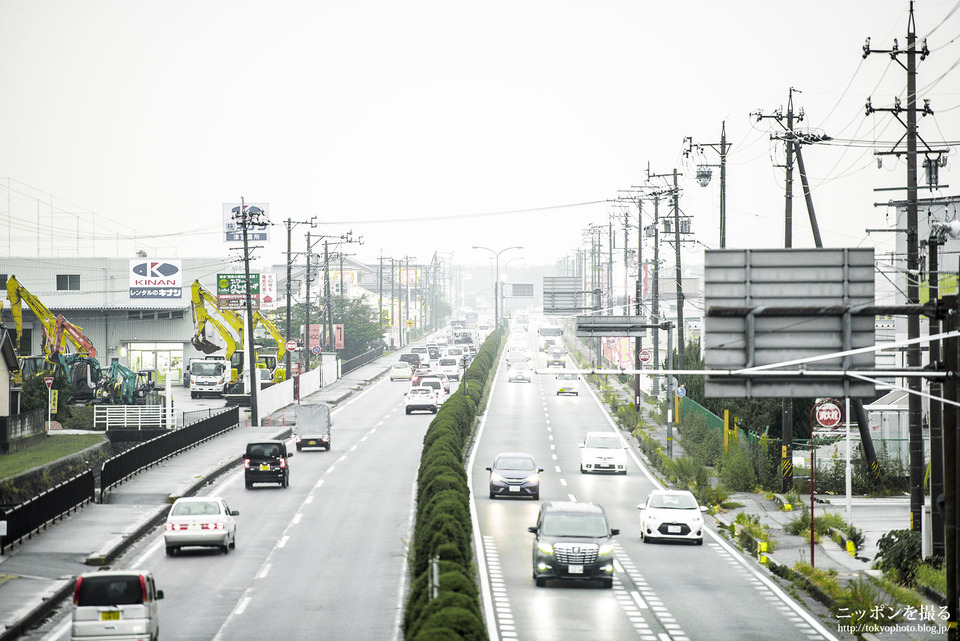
(673, 501)
(521, 365)
(604, 442)
(207, 369)
(567, 377)
(519, 463)
(588, 525)
(448, 362)
(195, 508)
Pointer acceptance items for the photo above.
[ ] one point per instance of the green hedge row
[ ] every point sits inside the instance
(443, 528)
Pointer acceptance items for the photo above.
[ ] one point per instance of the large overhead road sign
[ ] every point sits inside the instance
(765, 307)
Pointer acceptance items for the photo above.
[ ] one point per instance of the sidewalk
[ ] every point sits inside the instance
(873, 516)
(37, 574)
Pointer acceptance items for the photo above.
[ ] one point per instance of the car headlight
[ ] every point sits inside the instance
(606, 548)
(546, 548)
(495, 478)
(533, 478)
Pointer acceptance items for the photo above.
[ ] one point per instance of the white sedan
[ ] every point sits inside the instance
(603, 452)
(671, 514)
(203, 521)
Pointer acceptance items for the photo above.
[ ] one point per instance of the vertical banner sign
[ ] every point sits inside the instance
(268, 291)
(338, 336)
(54, 398)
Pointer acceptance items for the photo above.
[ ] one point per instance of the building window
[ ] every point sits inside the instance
(68, 282)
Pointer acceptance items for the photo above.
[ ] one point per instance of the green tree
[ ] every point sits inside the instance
(34, 394)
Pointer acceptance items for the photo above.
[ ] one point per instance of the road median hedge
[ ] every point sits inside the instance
(443, 531)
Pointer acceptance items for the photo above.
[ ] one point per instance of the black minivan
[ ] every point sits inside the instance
(413, 359)
(573, 542)
(266, 462)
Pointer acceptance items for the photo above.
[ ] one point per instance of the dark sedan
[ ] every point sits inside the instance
(514, 474)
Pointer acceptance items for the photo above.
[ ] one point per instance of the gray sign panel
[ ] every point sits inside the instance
(562, 295)
(612, 326)
(743, 290)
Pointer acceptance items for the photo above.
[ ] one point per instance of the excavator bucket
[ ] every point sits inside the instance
(205, 346)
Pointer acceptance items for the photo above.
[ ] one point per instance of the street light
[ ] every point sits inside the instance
(496, 282)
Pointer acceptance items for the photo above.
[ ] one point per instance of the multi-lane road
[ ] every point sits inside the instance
(327, 557)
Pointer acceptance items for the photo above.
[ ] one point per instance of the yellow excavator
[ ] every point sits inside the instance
(81, 368)
(203, 300)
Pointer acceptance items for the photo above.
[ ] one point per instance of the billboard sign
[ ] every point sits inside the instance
(232, 294)
(233, 231)
(156, 278)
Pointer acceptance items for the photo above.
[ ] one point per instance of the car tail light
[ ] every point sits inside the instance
(213, 526)
(143, 589)
(246, 464)
(283, 462)
(76, 591)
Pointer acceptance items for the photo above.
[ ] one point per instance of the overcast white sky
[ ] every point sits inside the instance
(136, 120)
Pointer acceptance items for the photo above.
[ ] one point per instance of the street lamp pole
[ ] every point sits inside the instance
(496, 282)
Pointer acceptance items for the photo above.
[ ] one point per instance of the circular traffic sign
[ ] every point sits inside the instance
(316, 349)
(829, 414)
(646, 356)
(681, 391)
(291, 346)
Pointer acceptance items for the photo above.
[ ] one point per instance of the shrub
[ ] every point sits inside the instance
(737, 471)
(899, 555)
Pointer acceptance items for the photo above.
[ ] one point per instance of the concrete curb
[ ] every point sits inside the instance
(16, 629)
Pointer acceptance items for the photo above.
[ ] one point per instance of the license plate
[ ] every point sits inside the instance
(113, 615)
(264, 467)
(673, 529)
(514, 488)
(311, 442)
(575, 569)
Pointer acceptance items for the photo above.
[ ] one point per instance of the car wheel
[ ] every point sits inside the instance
(647, 539)
(408, 411)
(623, 472)
(607, 584)
(536, 495)
(192, 395)
(541, 582)
(225, 548)
(582, 471)
(493, 494)
(171, 550)
(249, 485)
(576, 393)
(299, 448)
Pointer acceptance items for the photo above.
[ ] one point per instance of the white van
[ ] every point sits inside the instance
(116, 604)
(422, 352)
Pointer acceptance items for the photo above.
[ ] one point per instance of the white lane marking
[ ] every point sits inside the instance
(242, 606)
(318, 484)
(308, 500)
(563, 482)
(296, 518)
(342, 458)
(557, 468)
(572, 498)
(353, 448)
(639, 600)
(265, 571)
(138, 563)
(283, 541)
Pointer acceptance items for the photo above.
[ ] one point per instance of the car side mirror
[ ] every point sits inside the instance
(289, 454)
(532, 529)
(539, 469)
(614, 531)
(159, 594)
(703, 508)
(489, 469)
(234, 512)
(583, 445)
(641, 506)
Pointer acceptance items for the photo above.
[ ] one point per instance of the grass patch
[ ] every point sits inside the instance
(48, 450)
(932, 577)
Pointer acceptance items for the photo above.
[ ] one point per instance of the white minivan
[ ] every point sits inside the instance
(116, 604)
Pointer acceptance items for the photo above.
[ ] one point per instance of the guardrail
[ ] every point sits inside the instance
(34, 514)
(117, 469)
(134, 417)
(360, 361)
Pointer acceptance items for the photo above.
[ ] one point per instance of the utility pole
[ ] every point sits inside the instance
(913, 254)
(246, 217)
(681, 346)
(786, 406)
(704, 174)
(290, 224)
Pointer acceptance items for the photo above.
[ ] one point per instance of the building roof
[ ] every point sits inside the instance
(7, 350)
